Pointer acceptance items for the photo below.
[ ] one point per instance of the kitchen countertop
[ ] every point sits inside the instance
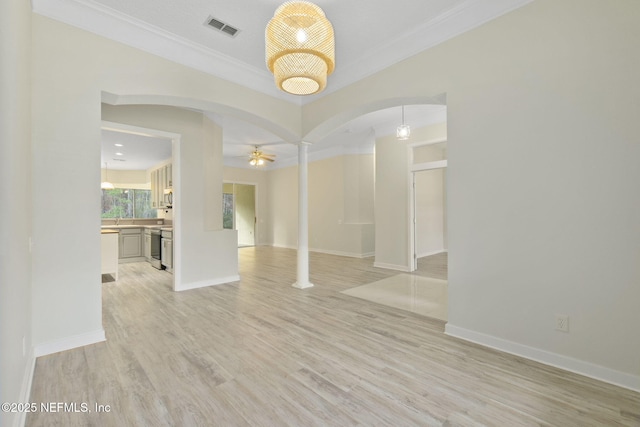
(116, 227)
(108, 231)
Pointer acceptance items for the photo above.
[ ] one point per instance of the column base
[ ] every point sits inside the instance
(303, 285)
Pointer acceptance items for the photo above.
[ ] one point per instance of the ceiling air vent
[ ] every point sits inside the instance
(221, 26)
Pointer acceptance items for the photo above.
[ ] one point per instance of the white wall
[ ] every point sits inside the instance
(71, 69)
(542, 179)
(430, 206)
(429, 212)
(15, 220)
(538, 100)
(340, 205)
(127, 178)
(283, 207)
(207, 253)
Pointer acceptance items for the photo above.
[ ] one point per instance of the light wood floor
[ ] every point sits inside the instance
(261, 353)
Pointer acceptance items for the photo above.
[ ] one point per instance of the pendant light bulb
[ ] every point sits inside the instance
(404, 131)
(106, 185)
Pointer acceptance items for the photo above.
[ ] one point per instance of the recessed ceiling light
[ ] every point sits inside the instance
(118, 145)
(119, 154)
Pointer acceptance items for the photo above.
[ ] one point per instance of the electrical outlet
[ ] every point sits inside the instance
(562, 322)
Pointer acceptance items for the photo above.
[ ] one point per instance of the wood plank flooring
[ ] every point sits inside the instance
(261, 353)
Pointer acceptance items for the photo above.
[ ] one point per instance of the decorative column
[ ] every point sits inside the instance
(303, 220)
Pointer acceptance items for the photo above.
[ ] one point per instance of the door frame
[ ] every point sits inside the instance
(413, 169)
(176, 180)
(256, 227)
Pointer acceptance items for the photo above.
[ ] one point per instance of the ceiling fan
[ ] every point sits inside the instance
(257, 157)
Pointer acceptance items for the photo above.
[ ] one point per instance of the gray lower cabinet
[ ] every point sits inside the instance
(130, 243)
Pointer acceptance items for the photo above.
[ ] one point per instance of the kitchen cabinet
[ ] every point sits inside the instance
(130, 245)
(166, 251)
(154, 188)
(161, 178)
(168, 175)
(109, 252)
(147, 244)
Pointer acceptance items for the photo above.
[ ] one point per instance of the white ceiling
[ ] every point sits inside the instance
(137, 152)
(370, 36)
(241, 137)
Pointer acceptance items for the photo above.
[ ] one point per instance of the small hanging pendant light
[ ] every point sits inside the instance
(404, 131)
(106, 185)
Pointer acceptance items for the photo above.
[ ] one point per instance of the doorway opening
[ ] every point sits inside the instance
(239, 211)
(428, 224)
(151, 174)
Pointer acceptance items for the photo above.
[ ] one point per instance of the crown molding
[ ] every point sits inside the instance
(114, 25)
(456, 21)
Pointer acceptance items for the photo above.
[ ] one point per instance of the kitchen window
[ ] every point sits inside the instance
(127, 203)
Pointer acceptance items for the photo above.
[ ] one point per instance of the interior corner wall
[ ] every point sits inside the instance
(329, 232)
(336, 226)
(16, 362)
(542, 179)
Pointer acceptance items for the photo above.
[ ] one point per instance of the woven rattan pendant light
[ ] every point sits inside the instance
(300, 48)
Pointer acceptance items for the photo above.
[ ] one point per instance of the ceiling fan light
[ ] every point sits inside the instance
(253, 162)
(300, 48)
(260, 162)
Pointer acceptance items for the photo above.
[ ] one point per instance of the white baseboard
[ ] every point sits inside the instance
(130, 260)
(330, 252)
(274, 245)
(611, 376)
(345, 254)
(391, 266)
(205, 283)
(432, 253)
(69, 342)
(25, 390)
